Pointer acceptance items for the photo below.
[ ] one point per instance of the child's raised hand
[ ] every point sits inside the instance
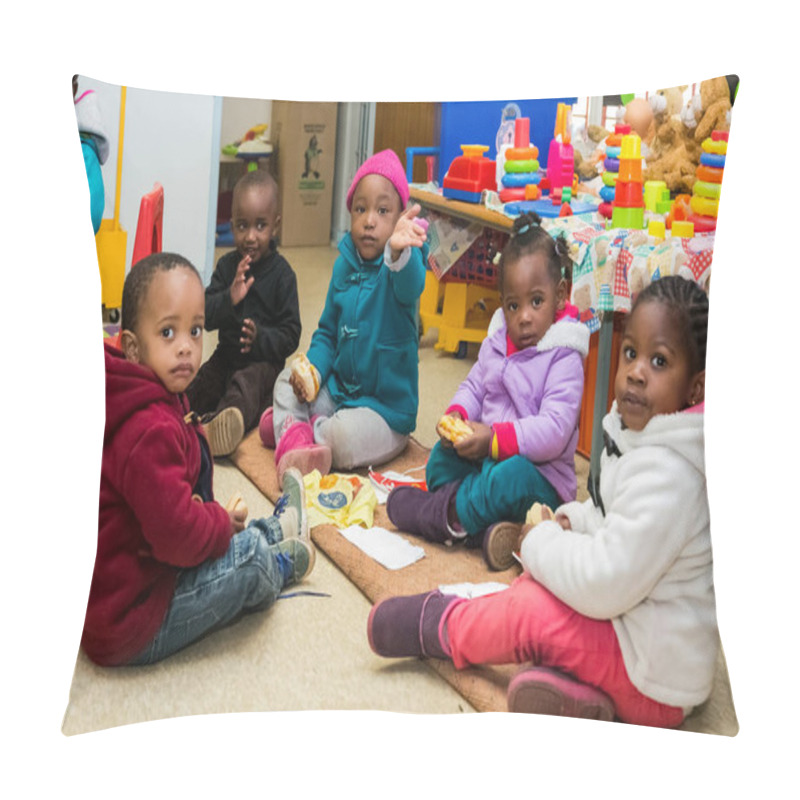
(408, 232)
(478, 445)
(241, 283)
(248, 335)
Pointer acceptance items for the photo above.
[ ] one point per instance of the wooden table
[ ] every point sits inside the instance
(459, 308)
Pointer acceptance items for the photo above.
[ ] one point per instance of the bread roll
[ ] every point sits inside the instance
(535, 516)
(237, 505)
(454, 428)
(307, 375)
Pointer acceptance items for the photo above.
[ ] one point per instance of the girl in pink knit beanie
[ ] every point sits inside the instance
(363, 355)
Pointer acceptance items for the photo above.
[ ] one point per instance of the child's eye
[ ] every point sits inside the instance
(629, 353)
(197, 331)
(262, 226)
(658, 361)
(167, 333)
(537, 301)
(512, 306)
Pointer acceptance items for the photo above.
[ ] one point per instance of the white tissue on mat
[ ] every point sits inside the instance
(470, 590)
(387, 548)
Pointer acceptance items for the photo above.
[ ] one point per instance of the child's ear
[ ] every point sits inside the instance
(561, 295)
(697, 389)
(129, 346)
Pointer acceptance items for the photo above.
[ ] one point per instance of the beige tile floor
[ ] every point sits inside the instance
(323, 639)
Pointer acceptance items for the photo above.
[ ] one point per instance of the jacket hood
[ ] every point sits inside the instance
(682, 431)
(129, 388)
(567, 333)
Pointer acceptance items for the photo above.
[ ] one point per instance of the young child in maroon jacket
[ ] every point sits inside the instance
(172, 564)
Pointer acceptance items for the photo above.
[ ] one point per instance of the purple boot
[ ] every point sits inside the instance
(409, 626)
(539, 690)
(422, 513)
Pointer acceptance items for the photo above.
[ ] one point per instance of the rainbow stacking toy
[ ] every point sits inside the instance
(627, 209)
(611, 168)
(708, 183)
(521, 178)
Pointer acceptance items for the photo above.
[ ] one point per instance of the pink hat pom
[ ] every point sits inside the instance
(387, 164)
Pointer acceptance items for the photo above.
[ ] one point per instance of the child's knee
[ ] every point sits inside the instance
(343, 444)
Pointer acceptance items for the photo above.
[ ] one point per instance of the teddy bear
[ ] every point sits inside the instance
(674, 153)
(712, 112)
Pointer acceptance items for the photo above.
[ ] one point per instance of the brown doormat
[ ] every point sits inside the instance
(483, 687)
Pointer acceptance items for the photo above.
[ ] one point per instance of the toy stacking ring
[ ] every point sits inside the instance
(609, 178)
(705, 189)
(529, 165)
(709, 174)
(512, 179)
(712, 146)
(613, 152)
(522, 153)
(614, 140)
(704, 206)
(611, 164)
(712, 160)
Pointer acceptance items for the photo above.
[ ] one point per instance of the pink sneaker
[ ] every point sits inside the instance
(305, 459)
(266, 430)
(539, 690)
(297, 449)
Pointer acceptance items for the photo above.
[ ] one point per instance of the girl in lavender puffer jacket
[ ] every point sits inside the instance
(521, 401)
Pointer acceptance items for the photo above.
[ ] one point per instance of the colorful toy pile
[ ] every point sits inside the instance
(469, 174)
(627, 208)
(521, 167)
(706, 189)
(611, 168)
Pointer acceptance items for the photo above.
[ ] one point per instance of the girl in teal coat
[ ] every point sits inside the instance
(363, 355)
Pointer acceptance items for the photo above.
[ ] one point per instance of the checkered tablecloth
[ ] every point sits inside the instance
(611, 266)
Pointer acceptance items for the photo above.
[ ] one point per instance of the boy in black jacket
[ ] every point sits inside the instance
(252, 300)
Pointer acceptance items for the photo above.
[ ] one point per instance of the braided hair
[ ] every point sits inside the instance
(689, 305)
(527, 238)
(139, 279)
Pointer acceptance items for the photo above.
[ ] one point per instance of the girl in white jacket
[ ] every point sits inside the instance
(615, 607)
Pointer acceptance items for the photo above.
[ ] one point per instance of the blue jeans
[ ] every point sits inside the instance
(215, 593)
(490, 491)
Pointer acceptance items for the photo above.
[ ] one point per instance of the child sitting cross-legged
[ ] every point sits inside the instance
(615, 611)
(361, 402)
(520, 404)
(172, 564)
(252, 300)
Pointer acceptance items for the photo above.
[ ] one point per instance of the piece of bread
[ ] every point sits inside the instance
(237, 505)
(454, 428)
(534, 515)
(307, 375)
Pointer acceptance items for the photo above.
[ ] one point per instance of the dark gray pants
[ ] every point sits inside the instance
(220, 385)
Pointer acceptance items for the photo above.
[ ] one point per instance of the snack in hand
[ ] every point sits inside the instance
(535, 516)
(237, 505)
(454, 428)
(307, 375)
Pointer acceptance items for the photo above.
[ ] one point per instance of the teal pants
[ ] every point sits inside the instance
(490, 491)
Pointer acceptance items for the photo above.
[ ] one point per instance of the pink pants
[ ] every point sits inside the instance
(527, 623)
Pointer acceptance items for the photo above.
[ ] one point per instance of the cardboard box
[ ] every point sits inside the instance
(304, 140)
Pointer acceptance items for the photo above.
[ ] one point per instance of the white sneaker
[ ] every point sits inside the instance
(224, 431)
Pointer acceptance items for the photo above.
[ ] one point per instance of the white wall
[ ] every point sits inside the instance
(239, 114)
(172, 139)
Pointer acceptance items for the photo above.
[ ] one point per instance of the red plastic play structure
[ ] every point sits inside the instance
(150, 224)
